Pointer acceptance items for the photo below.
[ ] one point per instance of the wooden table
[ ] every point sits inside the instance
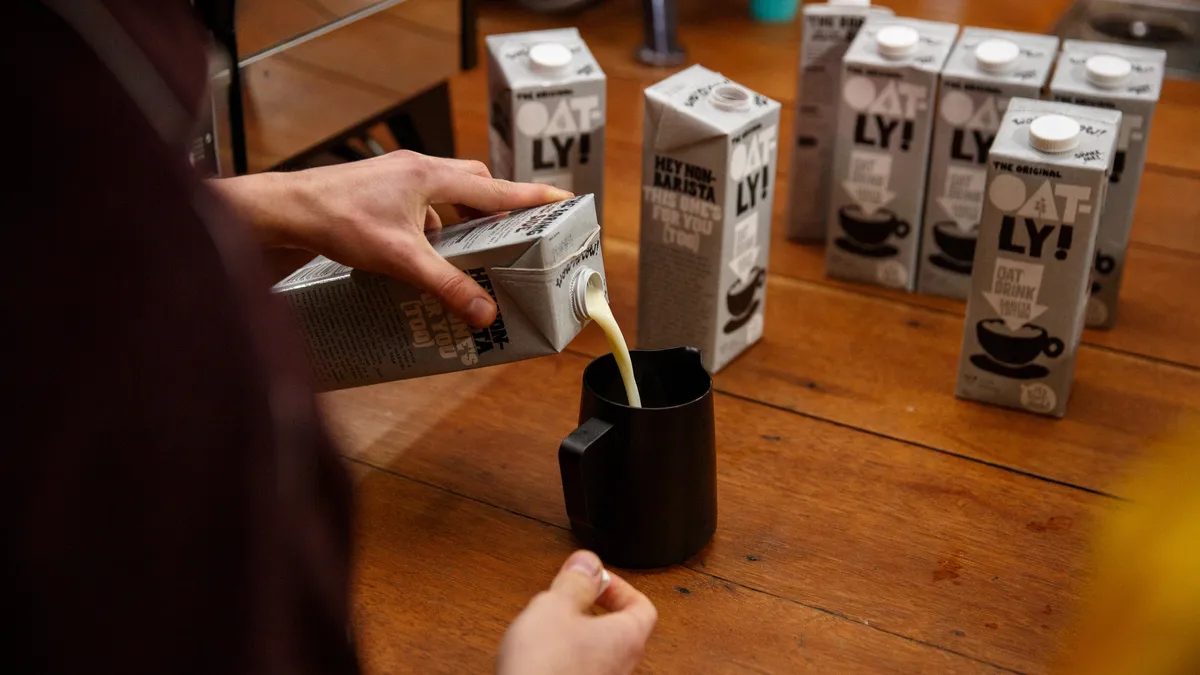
(869, 521)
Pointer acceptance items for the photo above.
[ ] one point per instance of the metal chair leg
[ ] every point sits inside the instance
(661, 47)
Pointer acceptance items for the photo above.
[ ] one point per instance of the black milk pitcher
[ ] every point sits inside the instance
(641, 483)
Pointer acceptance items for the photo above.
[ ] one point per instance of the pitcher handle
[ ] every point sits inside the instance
(594, 434)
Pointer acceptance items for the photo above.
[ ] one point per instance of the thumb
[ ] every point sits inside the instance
(581, 580)
(457, 292)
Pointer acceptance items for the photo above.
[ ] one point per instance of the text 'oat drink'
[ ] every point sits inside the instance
(361, 328)
(1046, 180)
(547, 111)
(708, 177)
(986, 68)
(885, 121)
(1128, 79)
(828, 31)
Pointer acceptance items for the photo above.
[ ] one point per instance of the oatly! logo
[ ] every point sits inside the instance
(559, 129)
(975, 126)
(885, 116)
(750, 166)
(1030, 220)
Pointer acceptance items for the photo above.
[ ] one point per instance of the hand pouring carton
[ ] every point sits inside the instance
(885, 121)
(985, 70)
(1122, 78)
(361, 328)
(547, 116)
(1046, 181)
(829, 29)
(708, 176)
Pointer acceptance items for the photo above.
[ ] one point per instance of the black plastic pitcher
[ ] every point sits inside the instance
(641, 483)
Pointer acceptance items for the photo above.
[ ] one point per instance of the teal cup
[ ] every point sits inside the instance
(773, 11)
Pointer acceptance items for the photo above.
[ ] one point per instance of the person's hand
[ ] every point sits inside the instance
(558, 633)
(372, 215)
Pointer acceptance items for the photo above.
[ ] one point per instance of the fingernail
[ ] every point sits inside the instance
(480, 312)
(559, 194)
(605, 580)
(585, 562)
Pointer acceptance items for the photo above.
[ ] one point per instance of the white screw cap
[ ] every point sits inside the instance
(1054, 133)
(1107, 71)
(897, 42)
(552, 59)
(996, 55)
(850, 3)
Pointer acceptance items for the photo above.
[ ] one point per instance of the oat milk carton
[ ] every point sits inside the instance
(1128, 79)
(828, 30)
(1046, 181)
(885, 122)
(708, 177)
(985, 70)
(362, 328)
(547, 111)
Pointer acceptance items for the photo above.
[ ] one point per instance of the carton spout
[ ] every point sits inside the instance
(587, 279)
(550, 297)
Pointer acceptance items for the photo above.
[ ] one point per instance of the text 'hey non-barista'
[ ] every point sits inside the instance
(683, 195)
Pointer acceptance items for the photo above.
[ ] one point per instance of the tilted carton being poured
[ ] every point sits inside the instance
(889, 79)
(361, 328)
(547, 108)
(708, 179)
(1128, 79)
(985, 70)
(1046, 181)
(829, 29)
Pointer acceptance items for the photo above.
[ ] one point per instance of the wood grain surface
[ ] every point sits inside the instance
(885, 533)
(474, 566)
(869, 521)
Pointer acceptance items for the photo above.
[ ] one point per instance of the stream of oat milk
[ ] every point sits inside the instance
(599, 311)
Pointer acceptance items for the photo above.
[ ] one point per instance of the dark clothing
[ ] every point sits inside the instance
(169, 501)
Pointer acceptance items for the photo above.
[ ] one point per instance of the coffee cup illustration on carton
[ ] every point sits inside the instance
(955, 248)
(1011, 352)
(742, 299)
(867, 233)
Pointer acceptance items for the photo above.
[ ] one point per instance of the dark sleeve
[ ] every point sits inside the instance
(169, 500)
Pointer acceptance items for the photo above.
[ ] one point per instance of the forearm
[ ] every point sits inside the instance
(278, 207)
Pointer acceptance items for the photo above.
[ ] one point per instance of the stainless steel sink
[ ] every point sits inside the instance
(1170, 25)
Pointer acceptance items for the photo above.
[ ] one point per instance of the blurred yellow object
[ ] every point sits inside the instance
(1142, 614)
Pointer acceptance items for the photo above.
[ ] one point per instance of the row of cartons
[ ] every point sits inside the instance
(905, 112)
(948, 177)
